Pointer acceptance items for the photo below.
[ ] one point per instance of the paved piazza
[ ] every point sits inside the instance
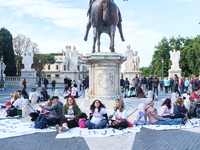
(187, 139)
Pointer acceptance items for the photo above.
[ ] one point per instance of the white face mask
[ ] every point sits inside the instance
(182, 105)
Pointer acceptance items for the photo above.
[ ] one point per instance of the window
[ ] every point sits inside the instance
(57, 75)
(49, 68)
(48, 76)
(78, 68)
(56, 67)
(64, 67)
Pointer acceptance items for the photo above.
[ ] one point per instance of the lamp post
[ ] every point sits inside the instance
(17, 67)
(1, 71)
(39, 83)
(162, 67)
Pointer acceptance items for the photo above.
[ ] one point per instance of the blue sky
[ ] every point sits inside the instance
(53, 24)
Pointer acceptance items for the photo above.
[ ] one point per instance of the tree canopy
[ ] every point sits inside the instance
(189, 56)
(6, 50)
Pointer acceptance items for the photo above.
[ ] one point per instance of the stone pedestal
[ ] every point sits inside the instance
(30, 76)
(104, 76)
(131, 74)
(72, 74)
(172, 72)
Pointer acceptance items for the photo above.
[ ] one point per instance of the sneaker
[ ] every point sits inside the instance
(64, 129)
(57, 128)
(184, 120)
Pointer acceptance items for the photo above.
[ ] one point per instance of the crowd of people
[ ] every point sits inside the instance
(144, 84)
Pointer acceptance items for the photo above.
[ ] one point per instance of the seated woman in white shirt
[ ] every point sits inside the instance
(165, 109)
(17, 103)
(120, 114)
(98, 116)
(74, 92)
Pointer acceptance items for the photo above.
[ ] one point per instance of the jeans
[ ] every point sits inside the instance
(166, 89)
(52, 120)
(150, 87)
(182, 89)
(169, 121)
(96, 126)
(186, 88)
(136, 86)
(155, 89)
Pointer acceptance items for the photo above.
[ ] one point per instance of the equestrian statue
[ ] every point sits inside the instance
(104, 16)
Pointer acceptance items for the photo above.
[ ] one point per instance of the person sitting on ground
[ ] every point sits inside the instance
(74, 92)
(156, 119)
(131, 92)
(165, 109)
(24, 94)
(17, 103)
(46, 112)
(98, 116)
(56, 109)
(120, 114)
(186, 94)
(122, 91)
(195, 95)
(140, 93)
(44, 95)
(180, 111)
(66, 93)
(32, 93)
(8, 104)
(70, 113)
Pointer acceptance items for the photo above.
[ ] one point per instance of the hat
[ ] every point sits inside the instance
(148, 101)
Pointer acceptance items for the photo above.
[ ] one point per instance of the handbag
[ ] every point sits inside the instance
(11, 112)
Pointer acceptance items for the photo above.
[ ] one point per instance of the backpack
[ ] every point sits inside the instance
(41, 122)
(140, 119)
(81, 123)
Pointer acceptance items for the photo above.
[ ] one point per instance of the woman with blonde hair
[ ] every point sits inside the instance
(70, 112)
(180, 111)
(16, 106)
(120, 114)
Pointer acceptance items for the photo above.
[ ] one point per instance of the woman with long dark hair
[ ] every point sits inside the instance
(140, 93)
(98, 116)
(165, 109)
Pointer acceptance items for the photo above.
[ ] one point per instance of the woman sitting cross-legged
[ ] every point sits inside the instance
(98, 116)
(120, 114)
(156, 119)
(165, 109)
(180, 111)
(70, 112)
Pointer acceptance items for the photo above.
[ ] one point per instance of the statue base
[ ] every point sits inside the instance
(131, 74)
(104, 77)
(74, 75)
(172, 72)
(30, 76)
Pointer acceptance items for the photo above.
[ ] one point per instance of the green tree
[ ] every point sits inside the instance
(6, 50)
(145, 71)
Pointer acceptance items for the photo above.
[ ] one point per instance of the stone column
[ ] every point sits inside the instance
(104, 75)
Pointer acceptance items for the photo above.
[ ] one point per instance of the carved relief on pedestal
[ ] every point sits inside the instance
(105, 80)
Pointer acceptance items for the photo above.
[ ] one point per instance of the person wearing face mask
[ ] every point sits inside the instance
(180, 111)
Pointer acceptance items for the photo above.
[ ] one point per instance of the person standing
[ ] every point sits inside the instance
(122, 82)
(126, 83)
(69, 82)
(136, 81)
(87, 82)
(182, 83)
(24, 83)
(176, 83)
(46, 82)
(66, 81)
(53, 85)
(150, 83)
(171, 84)
(155, 83)
(166, 85)
(187, 83)
(80, 84)
(143, 83)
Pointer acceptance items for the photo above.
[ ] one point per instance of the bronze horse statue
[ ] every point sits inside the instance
(104, 17)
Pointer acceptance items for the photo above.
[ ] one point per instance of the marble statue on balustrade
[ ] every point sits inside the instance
(66, 62)
(136, 61)
(129, 64)
(27, 60)
(133, 61)
(175, 58)
(3, 68)
(74, 60)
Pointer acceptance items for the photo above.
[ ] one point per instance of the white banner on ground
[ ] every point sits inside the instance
(190, 124)
(84, 132)
(15, 127)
